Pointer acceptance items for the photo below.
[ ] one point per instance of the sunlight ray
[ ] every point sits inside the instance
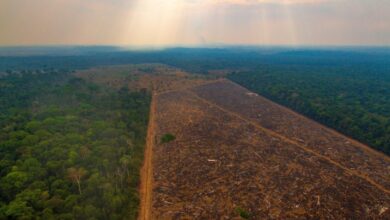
(153, 22)
(290, 22)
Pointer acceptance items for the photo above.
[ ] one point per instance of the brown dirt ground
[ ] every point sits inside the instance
(152, 77)
(237, 150)
(147, 168)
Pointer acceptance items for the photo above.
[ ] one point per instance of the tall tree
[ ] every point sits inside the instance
(76, 174)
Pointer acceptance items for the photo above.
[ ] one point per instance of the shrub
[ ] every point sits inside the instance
(167, 138)
(243, 214)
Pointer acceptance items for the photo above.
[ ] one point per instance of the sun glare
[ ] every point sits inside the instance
(153, 22)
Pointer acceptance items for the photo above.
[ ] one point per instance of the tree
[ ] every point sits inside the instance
(20, 210)
(76, 174)
(14, 182)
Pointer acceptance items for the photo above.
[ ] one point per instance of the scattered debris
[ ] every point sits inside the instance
(272, 171)
(318, 201)
(383, 210)
(251, 94)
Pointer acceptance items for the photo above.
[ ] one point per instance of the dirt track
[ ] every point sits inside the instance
(234, 149)
(147, 169)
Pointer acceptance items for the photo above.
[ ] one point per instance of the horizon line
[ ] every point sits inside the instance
(197, 46)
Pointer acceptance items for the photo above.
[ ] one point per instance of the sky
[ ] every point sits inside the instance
(194, 22)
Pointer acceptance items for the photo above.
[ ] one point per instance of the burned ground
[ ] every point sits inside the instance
(235, 150)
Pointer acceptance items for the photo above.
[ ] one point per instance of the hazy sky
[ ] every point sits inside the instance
(195, 22)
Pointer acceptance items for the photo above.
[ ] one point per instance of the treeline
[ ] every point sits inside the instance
(196, 60)
(352, 98)
(69, 149)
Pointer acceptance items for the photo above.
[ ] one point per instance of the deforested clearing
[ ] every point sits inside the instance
(237, 155)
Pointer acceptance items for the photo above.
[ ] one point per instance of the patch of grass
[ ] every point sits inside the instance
(167, 138)
(243, 213)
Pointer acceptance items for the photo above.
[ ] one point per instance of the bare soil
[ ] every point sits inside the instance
(235, 150)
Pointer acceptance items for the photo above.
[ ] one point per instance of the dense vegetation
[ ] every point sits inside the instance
(350, 97)
(69, 149)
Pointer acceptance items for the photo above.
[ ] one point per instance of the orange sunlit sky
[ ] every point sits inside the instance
(194, 22)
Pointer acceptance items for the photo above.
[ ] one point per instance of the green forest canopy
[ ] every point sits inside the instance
(69, 149)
